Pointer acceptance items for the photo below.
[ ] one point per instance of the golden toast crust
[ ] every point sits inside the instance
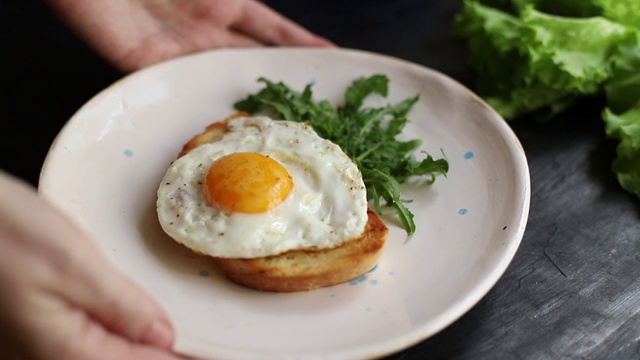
(299, 270)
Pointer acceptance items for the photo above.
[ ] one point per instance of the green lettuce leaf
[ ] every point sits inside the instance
(623, 87)
(625, 127)
(622, 115)
(626, 12)
(537, 61)
(536, 57)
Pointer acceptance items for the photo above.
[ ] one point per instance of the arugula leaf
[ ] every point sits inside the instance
(366, 134)
(362, 88)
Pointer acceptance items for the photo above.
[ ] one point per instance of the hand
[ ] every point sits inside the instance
(134, 33)
(60, 299)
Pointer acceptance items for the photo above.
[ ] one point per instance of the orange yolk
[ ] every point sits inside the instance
(247, 182)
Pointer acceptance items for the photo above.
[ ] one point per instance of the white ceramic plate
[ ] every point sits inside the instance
(106, 164)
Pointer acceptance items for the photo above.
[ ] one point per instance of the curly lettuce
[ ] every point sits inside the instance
(536, 57)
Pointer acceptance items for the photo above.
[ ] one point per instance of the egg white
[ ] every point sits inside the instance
(327, 206)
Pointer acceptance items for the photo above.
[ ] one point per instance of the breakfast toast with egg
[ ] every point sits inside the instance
(303, 269)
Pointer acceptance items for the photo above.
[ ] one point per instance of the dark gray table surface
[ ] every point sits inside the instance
(573, 288)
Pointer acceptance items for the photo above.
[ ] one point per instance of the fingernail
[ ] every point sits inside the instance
(159, 334)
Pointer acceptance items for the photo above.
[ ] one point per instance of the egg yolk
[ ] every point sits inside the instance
(247, 182)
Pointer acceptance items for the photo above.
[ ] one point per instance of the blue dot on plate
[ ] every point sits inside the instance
(373, 282)
(128, 153)
(358, 280)
(462, 211)
(203, 273)
(468, 155)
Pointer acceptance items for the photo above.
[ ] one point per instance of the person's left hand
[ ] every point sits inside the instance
(60, 298)
(134, 33)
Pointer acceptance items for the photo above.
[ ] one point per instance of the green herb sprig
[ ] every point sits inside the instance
(366, 134)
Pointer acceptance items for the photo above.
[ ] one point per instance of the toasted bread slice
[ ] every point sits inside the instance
(300, 270)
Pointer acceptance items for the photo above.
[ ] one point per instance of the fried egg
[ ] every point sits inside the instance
(265, 188)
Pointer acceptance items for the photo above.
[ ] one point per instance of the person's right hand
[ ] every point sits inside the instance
(134, 33)
(59, 297)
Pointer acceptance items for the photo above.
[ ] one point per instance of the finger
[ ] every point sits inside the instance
(209, 38)
(260, 22)
(237, 39)
(92, 341)
(53, 326)
(101, 345)
(119, 305)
